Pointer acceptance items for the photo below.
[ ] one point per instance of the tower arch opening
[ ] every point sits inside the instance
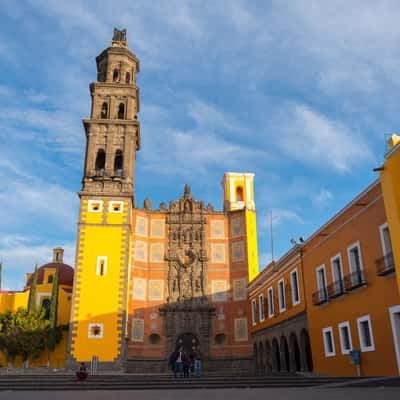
(100, 162)
(127, 77)
(118, 163)
(121, 111)
(115, 75)
(239, 193)
(104, 111)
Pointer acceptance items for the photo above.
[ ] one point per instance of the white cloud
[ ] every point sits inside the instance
(311, 137)
(322, 198)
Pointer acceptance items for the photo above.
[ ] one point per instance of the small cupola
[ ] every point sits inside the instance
(58, 254)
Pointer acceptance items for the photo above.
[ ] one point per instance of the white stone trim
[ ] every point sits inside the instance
(396, 332)
(321, 267)
(363, 347)
(325, 331)
(294, 302)
(271, 304)
(98, 261)
(261, 311)
(111, 207)
(335, 257)
(281, 293)
(351, 247)
(39, 297)
(90, 206)
(345, 324)
(381, 228)
(92, 325)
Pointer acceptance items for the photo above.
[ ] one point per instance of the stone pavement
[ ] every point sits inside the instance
(376, 393)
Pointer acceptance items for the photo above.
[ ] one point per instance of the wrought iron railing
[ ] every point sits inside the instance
(336, 289)
(385, 264)
(320, 297)
(354, 280)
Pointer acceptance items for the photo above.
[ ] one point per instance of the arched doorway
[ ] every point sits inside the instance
(276, 360)
(255, 350)
(284, 350)
(268, 361)
(188, 342)
(295, 361)
(305, 348)
(261, 357)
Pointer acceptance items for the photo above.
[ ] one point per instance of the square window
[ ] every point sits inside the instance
(329, 343)
(95, 330)
(116, 207)
(95, 205)
(365, 333)
(345, 337)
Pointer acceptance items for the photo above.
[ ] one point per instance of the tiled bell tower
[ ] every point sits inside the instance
(98, 315)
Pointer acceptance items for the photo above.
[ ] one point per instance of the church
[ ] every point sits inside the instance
(151, 280)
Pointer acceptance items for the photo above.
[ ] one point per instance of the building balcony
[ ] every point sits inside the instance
(320, 297)
(354, 280)
(336, 289)
(385, 265)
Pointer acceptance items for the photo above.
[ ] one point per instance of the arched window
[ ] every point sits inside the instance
(100, 162)
(116, 75)
(118, 163)
(50, 279)
(239, 193)
(104, 111)
(121, 111)
(46, 306)
(128, 78)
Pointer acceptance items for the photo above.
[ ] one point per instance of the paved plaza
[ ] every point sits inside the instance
(376, 393)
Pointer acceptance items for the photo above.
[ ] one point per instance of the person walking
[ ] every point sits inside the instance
(179, 363)
(197, 364)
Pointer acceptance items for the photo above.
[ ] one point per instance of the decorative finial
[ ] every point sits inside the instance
(119, 38)
(187, 190)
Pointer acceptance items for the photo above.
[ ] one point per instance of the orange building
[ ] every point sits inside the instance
(278, 313)
(351, 290)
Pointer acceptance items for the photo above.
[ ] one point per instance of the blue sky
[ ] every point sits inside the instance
(302, 93)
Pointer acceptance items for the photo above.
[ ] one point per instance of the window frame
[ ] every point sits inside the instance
(335, 257)
(381, 228)
(345, 324)
(281, 294)
(261, 311)
(360, 320)
(110, 207)
(99, 259)
(329, 330)
(295, 271)
(321, 268)
(91, 202)
(254, 312)
(349, 249)
(271, 305)
(92, 325)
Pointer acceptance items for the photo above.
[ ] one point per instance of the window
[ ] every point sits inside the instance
(321, 283)
(154, 338)
(261, 307)
(329, 343)
(345, 337)
(95, 205)
(115, 75)
(46, 304)
(121, 111)
(337, 275)
(254, 311)
(239, 193)
(365, 333)
(95, 331)
(355, 263)
(118, 163)
(101, 267)
(271, 310)
(100, 162)
(281, 295)
(104, 111)
(128, 78)
(50, 279)
(385, 239)
(116, 207)
(294, 281)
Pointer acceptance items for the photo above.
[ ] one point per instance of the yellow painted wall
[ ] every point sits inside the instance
(99, 299)
(390, 182)
(252, 251)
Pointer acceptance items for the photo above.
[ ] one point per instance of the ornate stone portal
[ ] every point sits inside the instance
(187, 310)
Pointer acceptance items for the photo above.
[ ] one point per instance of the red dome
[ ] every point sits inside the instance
(66, 273)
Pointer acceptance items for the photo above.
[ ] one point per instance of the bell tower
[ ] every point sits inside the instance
(98, 313)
